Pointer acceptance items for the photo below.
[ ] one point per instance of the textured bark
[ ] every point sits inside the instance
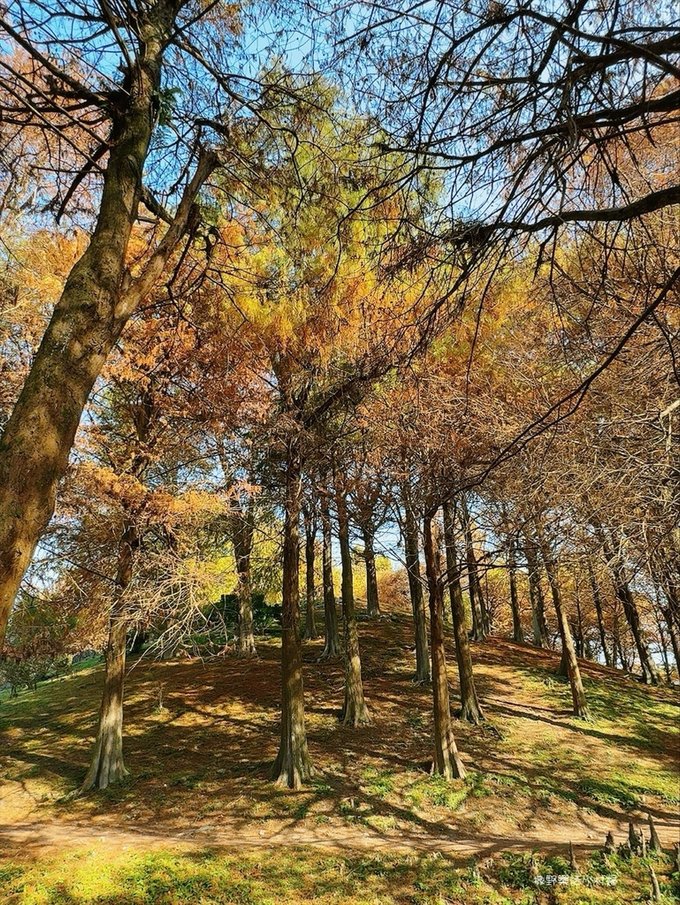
(479, 627)
(354, 711)
(372, 601)
(416, 590)
(331, 635)
(517, 630)
(447, 761)
(597, 601)
(98, 298)
(569, 659)
(292, 766)
(107, 766)
(242, 537)
(539, 625)
(311, 632)
(470, 709)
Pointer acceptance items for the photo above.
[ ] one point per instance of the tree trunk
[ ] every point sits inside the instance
(416, 590)
(292, 766)
(107, 765)
(569, 658)
(354, 711)
(242, 539)
(622, 590)
(310, 584)
(470, 707)
(624, 594)
(539, 625)
(475, 588)
(597, 601)
(332, 637)
(447, 761)
(517, 630)
(97, 300)
(372, 602)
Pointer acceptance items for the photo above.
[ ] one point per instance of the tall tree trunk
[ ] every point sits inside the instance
(310, 584)
(416, 589)
(372, 602)
(354, 711)
(578, 694)
(107, 765)
(97, 300)
(474, 586)
(624, 594)
(242, 539)
(539, 625)
(331, 635)
(447, 761)
(470, 709)
(517, 630)
(597, 601)
(292, 766)
(622, 590)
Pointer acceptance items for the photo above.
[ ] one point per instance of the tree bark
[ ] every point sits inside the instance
(539, 625)
(416, 590)
(447, 761)
(597, 601)
(354, 711)
(470, 709)
(107, 765)
(98, 298)
(625, 596)
(475, 589)
(517, 630)
(292, 766)
(310, 584)
(331, 635)
(372, 601)
(242, 538)
(580, 706)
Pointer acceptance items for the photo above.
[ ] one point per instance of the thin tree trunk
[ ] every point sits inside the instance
(242, 539)
(580, 705)
(310, 584)
(447, 761)
(517, 630)
(624, 594)
(332, 637)
(416, 590)
(97, 300)
(539, 625)
(354, 711)
(470, 709)
(474, 586)
(597, 601)
(292, 766)
(372, 602)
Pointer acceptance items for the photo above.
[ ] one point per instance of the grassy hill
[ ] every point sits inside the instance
(199, 820)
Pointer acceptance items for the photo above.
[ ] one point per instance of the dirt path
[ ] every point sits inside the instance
(29, 839)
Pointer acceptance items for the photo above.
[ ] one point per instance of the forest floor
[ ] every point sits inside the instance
(199, 804)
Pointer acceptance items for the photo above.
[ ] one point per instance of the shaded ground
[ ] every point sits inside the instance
(538, 778)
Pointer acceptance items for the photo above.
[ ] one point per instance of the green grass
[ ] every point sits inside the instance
(298, 876)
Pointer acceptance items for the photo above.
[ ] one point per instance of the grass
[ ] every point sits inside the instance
(295, 876)
(536, 776)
